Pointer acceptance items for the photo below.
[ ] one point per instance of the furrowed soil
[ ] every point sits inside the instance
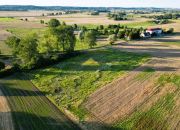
(119, 99)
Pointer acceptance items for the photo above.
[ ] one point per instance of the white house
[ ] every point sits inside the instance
(157, 31)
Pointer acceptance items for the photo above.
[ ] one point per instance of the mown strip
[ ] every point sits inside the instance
(30, 108)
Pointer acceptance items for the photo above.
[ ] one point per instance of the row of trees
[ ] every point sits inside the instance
(164, 16)
(167, 16)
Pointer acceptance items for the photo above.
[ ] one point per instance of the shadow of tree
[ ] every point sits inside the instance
(29, 121)
(10, 88)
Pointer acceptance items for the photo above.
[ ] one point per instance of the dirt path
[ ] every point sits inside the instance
(121, 97)
(6, 122)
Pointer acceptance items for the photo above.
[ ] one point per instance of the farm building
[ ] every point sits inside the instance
(156, 31)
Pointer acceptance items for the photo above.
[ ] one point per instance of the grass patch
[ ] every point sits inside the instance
(30, 108)
(164, 79)
(80, 45)
(4, 49)
(7, 19)
(143, 24)
(24, 31)
(172, 43)
(140, 24)
(156, 116)
(69, 83)
(145, 74)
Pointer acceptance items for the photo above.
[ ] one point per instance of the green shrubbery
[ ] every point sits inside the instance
(31, 49)
(117, 16)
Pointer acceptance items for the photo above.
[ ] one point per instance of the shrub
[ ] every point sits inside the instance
(54, 23)
(170, 30)
(2, 65)
(42, 21)
(112, 38)
(121, 34)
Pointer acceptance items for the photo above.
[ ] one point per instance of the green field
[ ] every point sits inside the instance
(69, 83)
(24, 31)
(177, 43)
(30, 108)
(140, 24)
(6, 19)
(157, 115)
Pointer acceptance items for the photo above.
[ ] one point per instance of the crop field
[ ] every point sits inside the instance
(29, 107)
(130, 85)
(144, 24)
(79, 18)
(84, 19)
(69, 83)
(161, 111)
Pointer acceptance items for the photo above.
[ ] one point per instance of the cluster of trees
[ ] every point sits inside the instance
(53, 14)
(165, 16)
(24, 19)
(61, 13)
(122, 32)
(94, 13)
(32, 50)
(117, 16)
(162, 21)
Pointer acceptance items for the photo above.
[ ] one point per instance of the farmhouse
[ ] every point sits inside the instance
(156, 31)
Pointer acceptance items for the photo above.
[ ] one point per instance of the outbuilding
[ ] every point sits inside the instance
(156, 31)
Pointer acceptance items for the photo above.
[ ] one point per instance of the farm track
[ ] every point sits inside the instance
(120, 98)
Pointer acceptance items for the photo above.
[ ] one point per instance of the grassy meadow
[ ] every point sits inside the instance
(69, 83)
(7, 19)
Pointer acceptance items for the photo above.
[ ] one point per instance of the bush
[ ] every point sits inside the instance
(2, 65)
(90, 38)
(112, 38)
(101, 27)
(121, 34)
(42, 21)
(54, 23)
(170, 30)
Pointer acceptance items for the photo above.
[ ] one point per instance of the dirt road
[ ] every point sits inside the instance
(120, 98)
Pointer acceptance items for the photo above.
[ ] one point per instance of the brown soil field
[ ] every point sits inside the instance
(87, 20)
(120, 98)
(79, 18)
(23, 13)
